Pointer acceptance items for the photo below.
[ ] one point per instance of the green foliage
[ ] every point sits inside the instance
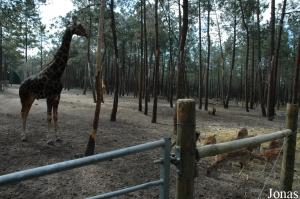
(20, 17)
(18, 20)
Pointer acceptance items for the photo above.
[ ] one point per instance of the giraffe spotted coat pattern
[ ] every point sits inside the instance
(47, 83)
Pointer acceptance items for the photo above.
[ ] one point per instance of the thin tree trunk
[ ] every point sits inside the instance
(100, 54)
(146, 63)
(88, 56)
(128, 73)
(92, 85)
(141, 82)
(222, 82)
(232, 60)
(123, 75)
(200, 84)
(26, 40)
(172, 68)
(180, 74)
(180, 65)
(247, 58)
(1, 61)
(116, 91)
(208, 57)
(252, 91)
(296, 77)
(151, 72)
(179, 17)
(271, 92)
(157, 58)
(162, 90)
(136, 76)
(41, 51)
(273, 74)
(260, 71)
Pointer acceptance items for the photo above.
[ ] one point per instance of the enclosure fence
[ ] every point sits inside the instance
(186, 144)
(185, 157)
(163, 182)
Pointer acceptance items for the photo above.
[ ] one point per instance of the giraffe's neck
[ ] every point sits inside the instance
(61, 57)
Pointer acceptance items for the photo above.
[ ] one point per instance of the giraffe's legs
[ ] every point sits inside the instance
(55, 118)
(49, 118)
(26, 105)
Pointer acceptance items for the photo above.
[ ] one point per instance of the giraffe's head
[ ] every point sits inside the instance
(78, 29)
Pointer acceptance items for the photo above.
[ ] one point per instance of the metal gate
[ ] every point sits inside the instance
(163, 182)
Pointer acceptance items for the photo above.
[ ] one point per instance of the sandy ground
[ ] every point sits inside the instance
(131, 128)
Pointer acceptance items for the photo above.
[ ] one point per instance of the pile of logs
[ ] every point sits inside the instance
(245, 155)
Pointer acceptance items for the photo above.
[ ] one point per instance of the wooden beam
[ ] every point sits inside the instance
(226, 147)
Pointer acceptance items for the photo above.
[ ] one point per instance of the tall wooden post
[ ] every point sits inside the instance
(289, 148)
(186, 140)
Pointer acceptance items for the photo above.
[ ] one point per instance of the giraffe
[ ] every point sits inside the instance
(47, 83)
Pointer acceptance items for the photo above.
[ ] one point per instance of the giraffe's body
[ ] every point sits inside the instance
(47, 83)
(40, 87)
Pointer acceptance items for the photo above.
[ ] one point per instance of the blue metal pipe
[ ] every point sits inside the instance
(128, 190)
(71, 164)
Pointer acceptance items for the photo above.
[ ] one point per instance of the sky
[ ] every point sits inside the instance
(48, 13)
(55, 8)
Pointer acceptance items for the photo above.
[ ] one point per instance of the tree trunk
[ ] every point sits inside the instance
(247, 58)
(180, 74)
(200, 78)
(270, 95)
(92, 85)
(136, 76)
(146, 63)
(123, 75)
(141, 82)
(232, 59)
(180, 65)
(41, 52)
(26, 41)
(1, 61)
(86, 70)
(162, 90)
(260, 71)
(296, 77)
(172, 68)
(157, 57)
(116, 90)
(100, 55)
(208, 58)
(273, 73)
(222, 82)
(128, 80)
(179, 17)
(252, 88)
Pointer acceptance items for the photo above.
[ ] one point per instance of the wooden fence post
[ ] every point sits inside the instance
(289, 148)
(186, 140)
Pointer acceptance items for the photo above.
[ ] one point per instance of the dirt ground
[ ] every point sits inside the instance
(132, 127)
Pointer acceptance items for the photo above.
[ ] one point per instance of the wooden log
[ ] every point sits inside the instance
(289, 148)
(225, 147)
(186, 140)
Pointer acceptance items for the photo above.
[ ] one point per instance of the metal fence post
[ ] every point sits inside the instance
(165, 170)
(289, 149)
(186, 139)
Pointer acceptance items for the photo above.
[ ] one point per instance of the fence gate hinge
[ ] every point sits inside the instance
(175, 159)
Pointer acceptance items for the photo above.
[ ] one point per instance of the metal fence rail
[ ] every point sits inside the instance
(163, 182)
(128, 190)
